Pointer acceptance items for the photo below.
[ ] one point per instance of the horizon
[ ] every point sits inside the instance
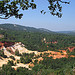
(38, 28)
(33, 18)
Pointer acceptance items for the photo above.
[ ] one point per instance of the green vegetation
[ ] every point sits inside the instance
(12, 8)
(40, 41)
(10, 63)
(48, 66)
(12, 57)
(17, 53)
(63, 66)
(26, 58)
(35, 40)
(2, 54)
(72, 53)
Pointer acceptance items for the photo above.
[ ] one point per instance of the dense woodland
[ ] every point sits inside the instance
(39, 41)
(35, 40)
(49, 66)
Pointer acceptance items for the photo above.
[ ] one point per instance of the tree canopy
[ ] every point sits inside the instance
(9, 8)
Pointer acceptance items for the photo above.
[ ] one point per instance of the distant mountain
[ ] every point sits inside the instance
(46, 30)
(23, 28)
(67, 32)
(31, 29)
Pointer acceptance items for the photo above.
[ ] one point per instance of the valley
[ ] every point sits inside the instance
(36, 50)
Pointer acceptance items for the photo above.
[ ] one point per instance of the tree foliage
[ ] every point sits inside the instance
(55, 7)
(63, 66)
(9, 8)
(2, 54)
(33, 40)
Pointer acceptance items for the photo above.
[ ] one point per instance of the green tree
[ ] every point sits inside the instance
(17, 53)
(12, 57)
(10, 63)
(37, 67)
(9, 8)
(2, 54)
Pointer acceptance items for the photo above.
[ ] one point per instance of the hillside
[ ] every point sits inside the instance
(67, 32)
(32, 29)
(35, 51)
(22, 28)
(17, 52)
(36, 39)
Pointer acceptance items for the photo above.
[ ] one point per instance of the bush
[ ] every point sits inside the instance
(12, 57)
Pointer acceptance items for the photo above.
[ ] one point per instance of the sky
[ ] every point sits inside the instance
(33, 18)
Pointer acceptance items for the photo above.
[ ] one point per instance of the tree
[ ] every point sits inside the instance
(2, 54)
(37, 67)
(9, 8)
(10, 63)
(12, 57)
(17, 53)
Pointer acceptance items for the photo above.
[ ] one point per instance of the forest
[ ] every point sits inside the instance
(39, 41)
(36, 39)
(63, 66)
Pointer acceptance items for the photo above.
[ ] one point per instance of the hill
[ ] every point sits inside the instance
(36, 39)
(33, 51)
(17, 58)
(32, 29)
(22, 28)
(67, 32)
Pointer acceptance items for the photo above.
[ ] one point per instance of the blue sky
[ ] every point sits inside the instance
(33, 18)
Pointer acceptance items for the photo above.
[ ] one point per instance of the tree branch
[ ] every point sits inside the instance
(5, 17)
